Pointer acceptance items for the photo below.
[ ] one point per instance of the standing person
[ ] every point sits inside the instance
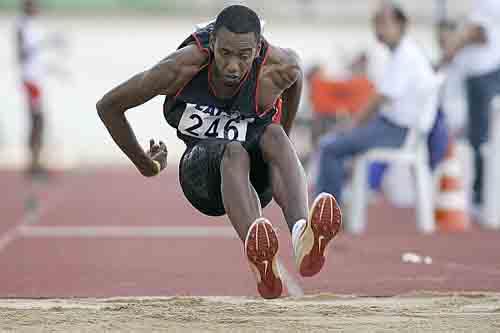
(478, 46)
(30, 44)
(224, 89)
(404, 92)
(453, 98)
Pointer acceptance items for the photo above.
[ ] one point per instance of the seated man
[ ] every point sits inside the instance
(407, 85)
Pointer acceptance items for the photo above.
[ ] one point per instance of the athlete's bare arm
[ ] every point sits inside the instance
(283, 72)
(165, 78)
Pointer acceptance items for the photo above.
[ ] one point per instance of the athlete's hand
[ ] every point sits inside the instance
(159, 153)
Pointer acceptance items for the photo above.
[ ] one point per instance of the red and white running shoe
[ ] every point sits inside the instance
(261, 248)
(310, 241)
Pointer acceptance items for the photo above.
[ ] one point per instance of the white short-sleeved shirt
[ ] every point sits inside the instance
(409, 83)
(482, 59)
(31, 67)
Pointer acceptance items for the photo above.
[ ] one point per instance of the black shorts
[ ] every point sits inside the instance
(200, 177)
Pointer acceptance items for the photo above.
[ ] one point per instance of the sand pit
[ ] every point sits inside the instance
(416, 312)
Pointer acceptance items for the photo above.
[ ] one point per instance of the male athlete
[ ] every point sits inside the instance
(225, 87)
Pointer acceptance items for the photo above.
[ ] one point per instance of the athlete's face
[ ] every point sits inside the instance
(233, 55)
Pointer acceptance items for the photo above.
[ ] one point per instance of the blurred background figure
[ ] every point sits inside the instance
(30, 44)
(408, 80)
(335, 100)
(453, 98)
(477, 46)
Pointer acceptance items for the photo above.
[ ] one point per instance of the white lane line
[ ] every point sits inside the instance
(117, 232)
(291, 283)
(8, 237)
(33, 231)
(14, 232)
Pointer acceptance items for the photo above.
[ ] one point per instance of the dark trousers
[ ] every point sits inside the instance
(480, 92)
(336, 148)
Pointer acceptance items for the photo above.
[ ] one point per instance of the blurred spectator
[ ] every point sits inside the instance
(478, 44)
(334, 100)
(407, 79)
(30, 44)
(453, 99)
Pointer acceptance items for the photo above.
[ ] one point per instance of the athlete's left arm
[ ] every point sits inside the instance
(289, 81)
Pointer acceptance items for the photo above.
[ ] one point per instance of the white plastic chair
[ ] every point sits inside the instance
(413, 153)
(491, 191)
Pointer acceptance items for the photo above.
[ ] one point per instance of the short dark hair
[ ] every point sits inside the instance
(400, 15)
(239, 20)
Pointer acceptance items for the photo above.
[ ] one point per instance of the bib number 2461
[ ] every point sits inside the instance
(196, 122)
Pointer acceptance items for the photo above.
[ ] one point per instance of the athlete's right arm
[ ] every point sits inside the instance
(165, 78)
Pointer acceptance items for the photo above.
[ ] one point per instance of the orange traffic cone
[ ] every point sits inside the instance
(451, 198)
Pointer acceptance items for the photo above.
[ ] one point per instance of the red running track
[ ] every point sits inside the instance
(103, 233)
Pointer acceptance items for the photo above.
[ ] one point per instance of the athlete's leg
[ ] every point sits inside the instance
(243, 209)
(310, 234)
(240, 199)
(288, 178)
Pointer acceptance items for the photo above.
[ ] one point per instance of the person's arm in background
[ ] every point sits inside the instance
(394, 83)
(485, 14)
(164, 78)
(472, 34)
(367, 112)
(20, 47)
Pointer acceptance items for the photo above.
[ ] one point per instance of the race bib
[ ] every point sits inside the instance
(203, 122)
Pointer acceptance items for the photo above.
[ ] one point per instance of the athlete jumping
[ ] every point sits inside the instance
(233, 98)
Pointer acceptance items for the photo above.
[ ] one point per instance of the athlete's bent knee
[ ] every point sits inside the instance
(235, 154)
(274, 140)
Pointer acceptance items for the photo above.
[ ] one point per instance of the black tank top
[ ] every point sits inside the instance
(198, 114)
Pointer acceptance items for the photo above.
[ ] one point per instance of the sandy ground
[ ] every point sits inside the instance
(409, 313)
